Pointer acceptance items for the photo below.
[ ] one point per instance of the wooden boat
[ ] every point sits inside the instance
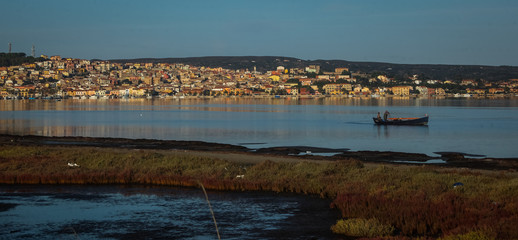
(402, 121)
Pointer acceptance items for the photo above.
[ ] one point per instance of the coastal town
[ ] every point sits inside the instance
(57, 77)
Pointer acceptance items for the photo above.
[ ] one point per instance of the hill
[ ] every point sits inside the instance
(425, 71)
(14, 59)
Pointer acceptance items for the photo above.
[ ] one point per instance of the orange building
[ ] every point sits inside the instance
(401, 90)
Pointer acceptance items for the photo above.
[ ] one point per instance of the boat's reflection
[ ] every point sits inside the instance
(395, 131)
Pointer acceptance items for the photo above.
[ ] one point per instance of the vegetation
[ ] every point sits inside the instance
(293, 80)
(266, 63)
(376, 201)
(14, 59)
(359, 227)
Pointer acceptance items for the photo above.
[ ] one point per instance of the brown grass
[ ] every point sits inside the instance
(417, 201)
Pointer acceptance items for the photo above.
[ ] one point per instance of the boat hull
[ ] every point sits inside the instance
(402, 121)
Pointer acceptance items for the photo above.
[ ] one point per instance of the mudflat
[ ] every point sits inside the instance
(236, 153)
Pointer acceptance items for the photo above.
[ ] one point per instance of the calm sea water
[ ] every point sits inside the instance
(475, 126)
(133, 212)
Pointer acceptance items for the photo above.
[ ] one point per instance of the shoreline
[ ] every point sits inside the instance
(355, 96)
(281, 153)
(360, 185)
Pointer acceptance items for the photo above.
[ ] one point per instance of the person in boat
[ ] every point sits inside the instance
(385, 115)
(379, 117)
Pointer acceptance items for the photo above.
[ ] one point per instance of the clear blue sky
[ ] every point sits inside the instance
(431, 32)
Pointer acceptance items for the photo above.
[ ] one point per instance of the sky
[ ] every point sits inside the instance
(473, 32)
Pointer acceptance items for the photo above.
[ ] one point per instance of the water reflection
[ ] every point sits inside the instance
(233, 103)
(397, 132)
(477, 126)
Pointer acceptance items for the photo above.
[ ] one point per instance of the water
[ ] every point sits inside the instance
(137, 212)
(475, 126)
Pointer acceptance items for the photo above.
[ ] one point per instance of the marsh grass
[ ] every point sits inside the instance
(474, 235)
(359, 227)
(417, 201)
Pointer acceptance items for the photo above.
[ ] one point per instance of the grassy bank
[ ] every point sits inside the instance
(397, 202)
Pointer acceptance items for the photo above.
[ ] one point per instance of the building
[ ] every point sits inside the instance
(401, 90)
(468, 82)
(341, 70)
(476, 91)
(496, 90)
(423, 90)
(55, 58)
(383, 78)
(313, 69)
(333, 89)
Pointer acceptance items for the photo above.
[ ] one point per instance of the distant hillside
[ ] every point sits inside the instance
(426, 71)
(245, 62)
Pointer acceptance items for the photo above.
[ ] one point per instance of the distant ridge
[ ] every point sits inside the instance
(266, 63)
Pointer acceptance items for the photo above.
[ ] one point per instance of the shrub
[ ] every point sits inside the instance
(360, 227)
(476, 235)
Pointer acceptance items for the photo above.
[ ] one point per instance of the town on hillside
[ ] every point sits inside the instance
(60, 78)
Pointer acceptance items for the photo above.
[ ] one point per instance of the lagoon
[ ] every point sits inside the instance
(473, 126)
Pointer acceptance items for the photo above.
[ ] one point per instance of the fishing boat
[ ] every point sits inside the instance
(422, 121)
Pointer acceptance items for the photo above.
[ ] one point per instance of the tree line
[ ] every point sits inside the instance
(15, 59)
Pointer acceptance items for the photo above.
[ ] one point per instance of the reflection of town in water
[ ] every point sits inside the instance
(215, 103)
